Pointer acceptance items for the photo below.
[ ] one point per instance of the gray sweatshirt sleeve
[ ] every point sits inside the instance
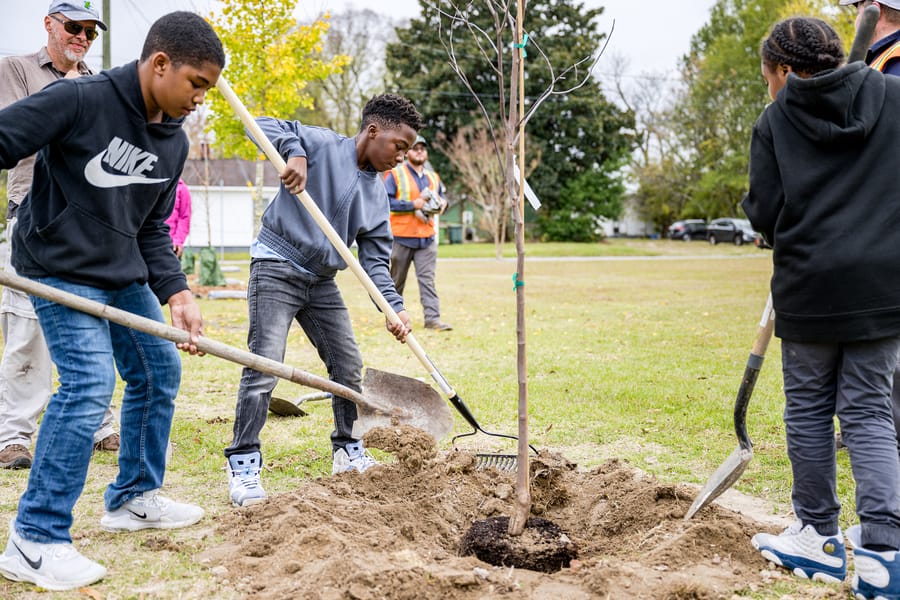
(284, 135)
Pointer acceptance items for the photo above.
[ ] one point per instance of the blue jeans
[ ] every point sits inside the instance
(277, 294)
(853, 381)
(87, 351)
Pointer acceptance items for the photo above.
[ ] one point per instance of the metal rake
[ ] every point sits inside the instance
(484, 460)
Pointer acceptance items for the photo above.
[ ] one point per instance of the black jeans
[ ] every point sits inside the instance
(277, 294)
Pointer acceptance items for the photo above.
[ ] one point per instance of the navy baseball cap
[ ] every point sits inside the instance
(77, 11)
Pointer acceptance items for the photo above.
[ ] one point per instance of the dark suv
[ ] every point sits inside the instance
(687, 230)
(736, 231)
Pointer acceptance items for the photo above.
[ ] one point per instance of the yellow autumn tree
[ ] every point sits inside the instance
(271, 60)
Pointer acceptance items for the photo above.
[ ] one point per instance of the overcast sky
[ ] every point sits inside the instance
(652, 34)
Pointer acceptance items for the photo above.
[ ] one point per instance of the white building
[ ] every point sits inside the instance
(629, 223)
(222, 201)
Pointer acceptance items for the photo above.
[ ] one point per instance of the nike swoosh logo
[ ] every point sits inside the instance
(96, 176)
(32, 563)
(138, 515)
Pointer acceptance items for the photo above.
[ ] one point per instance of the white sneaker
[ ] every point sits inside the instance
(352, 457)
(54, 567)
(244, 484)
(151, 511)
(805, 553)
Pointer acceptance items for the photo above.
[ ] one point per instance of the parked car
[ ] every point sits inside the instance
(687, 230)
(736, 231)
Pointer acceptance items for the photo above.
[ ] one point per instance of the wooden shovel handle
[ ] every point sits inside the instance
(151, 327)
(275, 158)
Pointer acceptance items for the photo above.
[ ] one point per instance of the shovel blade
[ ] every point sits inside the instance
(291, 408)
(723, 478)
(285, 408)
(418, 404)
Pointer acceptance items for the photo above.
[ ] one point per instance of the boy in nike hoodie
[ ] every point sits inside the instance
(293, 267)
(823, 192)
(111, 150)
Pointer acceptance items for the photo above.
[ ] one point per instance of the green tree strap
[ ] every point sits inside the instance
(522, 45)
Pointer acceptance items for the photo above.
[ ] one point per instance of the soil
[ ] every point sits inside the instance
(202, 291)
(396, 530)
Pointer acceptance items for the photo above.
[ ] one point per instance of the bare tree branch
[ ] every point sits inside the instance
(550, 90)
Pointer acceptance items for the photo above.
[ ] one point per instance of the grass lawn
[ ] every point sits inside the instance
(638, 356)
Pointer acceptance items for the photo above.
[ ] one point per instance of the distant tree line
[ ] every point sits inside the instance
(684, 149)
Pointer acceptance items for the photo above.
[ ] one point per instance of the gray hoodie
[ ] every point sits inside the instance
(354, 202)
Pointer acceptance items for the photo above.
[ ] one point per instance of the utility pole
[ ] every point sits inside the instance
(107, 55)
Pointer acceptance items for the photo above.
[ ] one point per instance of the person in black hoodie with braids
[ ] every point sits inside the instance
(834, 223)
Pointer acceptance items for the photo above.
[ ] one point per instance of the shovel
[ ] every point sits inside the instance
(380, 404)
(291, 408)
(733, 467)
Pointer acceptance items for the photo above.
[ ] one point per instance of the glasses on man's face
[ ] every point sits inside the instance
(74, 28)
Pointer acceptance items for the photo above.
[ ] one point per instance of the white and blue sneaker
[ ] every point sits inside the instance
(56, 567)
(352, 457)
(150, 510)
(805, 553)
(244, 484)
(877, 574)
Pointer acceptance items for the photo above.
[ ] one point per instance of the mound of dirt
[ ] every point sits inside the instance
(395, 532)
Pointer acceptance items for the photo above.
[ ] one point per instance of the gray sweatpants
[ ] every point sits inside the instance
(854, 381)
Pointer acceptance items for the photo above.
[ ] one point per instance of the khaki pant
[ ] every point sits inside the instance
(26, 372)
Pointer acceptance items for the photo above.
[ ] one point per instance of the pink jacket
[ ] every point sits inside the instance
(179, 221)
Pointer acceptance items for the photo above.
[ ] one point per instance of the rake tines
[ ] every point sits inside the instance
(501, 462)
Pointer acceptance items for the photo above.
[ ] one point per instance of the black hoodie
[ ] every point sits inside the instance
(104, 183)
(824, 191)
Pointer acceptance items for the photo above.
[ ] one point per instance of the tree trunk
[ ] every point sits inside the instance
(500, 229)
(522, 506)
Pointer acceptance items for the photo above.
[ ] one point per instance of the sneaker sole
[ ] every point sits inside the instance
(19, 463)
(30, 576)
(129, 524)
(811, 574)
(249, 502)
(860, 596)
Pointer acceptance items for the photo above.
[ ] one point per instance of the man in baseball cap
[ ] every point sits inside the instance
(77, 11)
(884, 54)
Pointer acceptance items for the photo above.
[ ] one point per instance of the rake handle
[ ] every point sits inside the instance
(275, 158)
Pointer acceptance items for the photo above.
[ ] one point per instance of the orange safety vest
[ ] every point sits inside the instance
(889, 54)
(406, 224)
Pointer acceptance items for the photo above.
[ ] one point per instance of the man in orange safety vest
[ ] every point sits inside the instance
(416, 195)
